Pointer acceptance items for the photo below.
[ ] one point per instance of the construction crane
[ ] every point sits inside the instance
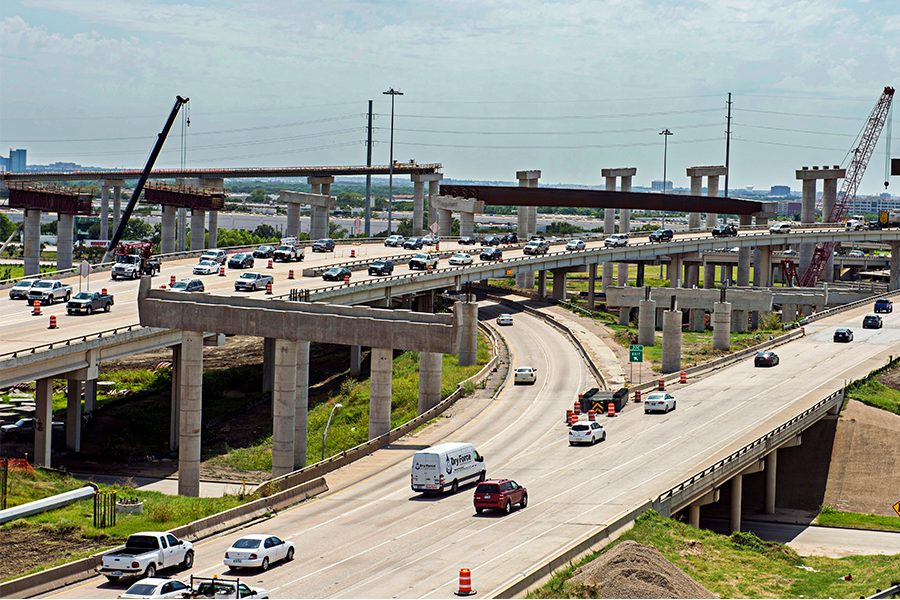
(861, 155)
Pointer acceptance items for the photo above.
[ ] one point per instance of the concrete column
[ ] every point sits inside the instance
(721, 321)
(468, 347)
(592, 285)
(466, 223)
(445, 222)
(757, 266)
(198, 229)
(624, 220)
(709, 276)
(167, 239)
(315, 188)
(32, 241)
(788, 312)
(675, 271)
(104, 212)
(418, 207)
(434, 188)
(542, 283)
(522, 224)
(268, 382)
(382, 361)
(284, 407)
(175, 411)
(765, 266)
(894, 283)
(729, 273)
(355, 360)
(65, 241)
(623, 274)
(712, 191)
(190, 421)
(807, 215)
(319, 225)
(559, 284)
(43, 413)
(90, 395)
(696, 190)
(117, 206)
(181, 239)
(430, 364)
(736, 492)
(293, 220)
(609, 221)
(213, 229)
(692, 276)
(625, 186)
(607, 277)
(301, 405)
(743, 277)
(73, 415)
(671, 343)
(771, 476)
(610, 184)
(829, 196)
(647, 323)
(694, 509)
(639, 280)
(697, 317)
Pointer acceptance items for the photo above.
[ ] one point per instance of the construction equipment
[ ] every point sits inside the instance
(133, 260)
(861, 155)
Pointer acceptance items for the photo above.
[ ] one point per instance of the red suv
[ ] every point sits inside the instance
(500, 493)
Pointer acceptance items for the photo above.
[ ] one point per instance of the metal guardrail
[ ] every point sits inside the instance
(70, 341)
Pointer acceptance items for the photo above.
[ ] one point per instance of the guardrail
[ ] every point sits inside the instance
(68, 342)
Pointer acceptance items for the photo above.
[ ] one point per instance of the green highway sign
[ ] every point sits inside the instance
(636, 354)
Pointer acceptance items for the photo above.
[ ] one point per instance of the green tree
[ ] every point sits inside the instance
(266, 231)
(335, 231)
(137, 229)
(257, 196)
(6, 227)
(48, 228)
(404, 228)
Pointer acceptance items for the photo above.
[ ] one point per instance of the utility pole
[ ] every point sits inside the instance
(391, 92)
(369, 176)
(665, 133)
(727, 151)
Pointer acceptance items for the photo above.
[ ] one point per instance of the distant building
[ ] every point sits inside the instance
(787, 208)
(17, 160)
(780, 190)
(657, 186)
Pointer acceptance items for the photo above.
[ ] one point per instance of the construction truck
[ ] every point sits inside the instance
(135, 259)
(888, 218)
(289, 250)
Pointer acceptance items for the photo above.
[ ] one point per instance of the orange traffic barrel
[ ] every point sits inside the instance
(592, 416)
(683, 377)
(573, 419)
(577, 408)
(268, 288)
(437, 246)
(36, 311)
(661, 385)
(637, 395)
(352, 253)
(291, 274)
(465, 583)
(172, 280)
(221, 271)
(103, 292)
(612, 409)
(271, 263)
(568, 416)
(52, 321)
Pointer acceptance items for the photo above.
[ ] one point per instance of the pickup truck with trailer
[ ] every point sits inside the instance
(423, 260)
(884, 305)
(726, 230)
(253, 282)
(89, 302)
(145, 553)
(133, 260)
(48, 291)
(289, 250)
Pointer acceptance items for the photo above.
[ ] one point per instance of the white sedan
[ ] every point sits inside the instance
(575, 245)
(206, 267)
(505, 320)
(525, 375)
(659, 402)
(156, 587)
(461, 259)
(586, 432)
(258, 550)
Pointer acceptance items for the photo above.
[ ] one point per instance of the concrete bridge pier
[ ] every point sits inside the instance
(737, 489)
(434, 188)
(382, 360)
(808, 202)
(167, 233)
(175, 411)
(709, 275)
(418, 207)
(284, 407)
(301, 405)
(445, 220)
(671, 343)
(43, 414)
(321, 203)
(355, 360)
(592, 285)
(32, 241)
(606, 279)
(430, 365)
(190, 419)
(466, 225)
(559, 284)
(647, 323)
(721, 320)
(894, 282)
(181, 238)
(526, 225)
(198, 229)
(694, 509)
(90, 395)
(712, 175)
(213, 229)
(625, 175)
(292, 229)
(117, 205)
(468, 346)
(104, 211)
(65, 241)
(320, 185)
(542, 283)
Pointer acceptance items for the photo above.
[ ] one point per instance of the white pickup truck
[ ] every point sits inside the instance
(48, 291)
(145, 553)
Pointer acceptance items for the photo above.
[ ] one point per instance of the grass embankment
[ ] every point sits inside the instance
(350, 424)
(830, 517)
(874, 393)
(742, 566)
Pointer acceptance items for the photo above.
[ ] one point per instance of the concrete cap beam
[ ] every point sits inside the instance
(319, 179)
(111, 182)
(690, 298)
(536, 174)
(713, 171)
(307, 198)
(422, 177)
(619, 172)
(457, 204)
(824, 173)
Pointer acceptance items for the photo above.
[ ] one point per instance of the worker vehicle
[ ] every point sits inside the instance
(252, 282)
(505, 319)
(336, 274)
(323, 245)
(525, 375)
(726, 230)
(133, 260)
(780, 228)
(450, 464)
(872, 322)
(855, 225)
(394, 241)
(20, 290)
(48, 291)
(575, 245)
(89, 302)
(206, 267)
(220, 588)
(766, 358)
(536, 247)
(659, 402)
(586, 432)
(491, 254)
(413, 244)
(381, 267)
(889, 218)
(662, 235)
(884, 305)
(241, 260)
(264, 252)
(157, 587)
(423, 260)
(500, 494)
(145, 553)
(616, 239)
(188, 285)
(842, 334)
(258, 550)
(461, 259)
(289, 250)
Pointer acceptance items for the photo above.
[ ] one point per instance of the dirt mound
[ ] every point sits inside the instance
(631, 570)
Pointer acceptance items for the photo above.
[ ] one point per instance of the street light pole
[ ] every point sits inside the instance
(665, 133)
(391, 92)
(327, 425)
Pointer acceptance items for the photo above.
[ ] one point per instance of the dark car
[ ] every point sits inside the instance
(509, 238)
(264, 252)
(766, 358)
(381, 267)
(727, 230)
(501, 494)
(187, 285)
(244, 260)
(413, 244)
(872, 322)
(491, 254)
(467, 241)
(662, 235)
(491, 240)
(323, 245)
(884, 305)
(25, 427)
(336, 274)
(843, 335)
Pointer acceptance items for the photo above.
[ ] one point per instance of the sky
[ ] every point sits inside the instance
(489, 88)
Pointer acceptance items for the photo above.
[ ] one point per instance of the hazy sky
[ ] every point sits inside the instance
(489, 87)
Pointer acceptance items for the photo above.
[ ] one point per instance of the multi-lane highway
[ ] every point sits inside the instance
(370, 536)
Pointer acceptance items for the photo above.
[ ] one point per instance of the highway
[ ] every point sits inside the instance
(370, 536)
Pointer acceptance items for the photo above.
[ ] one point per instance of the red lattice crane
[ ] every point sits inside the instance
(861, 155)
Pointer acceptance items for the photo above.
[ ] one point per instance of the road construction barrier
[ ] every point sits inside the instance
(271, 264)
(52, 321)
(465, 583)
(568, 416)
(612, 409)
(437, 246)
(268, 288)
(592, 416)
(429, 268)
(221, 271)
(352, 253)
(661, 386)
(291, 274)
(577, 409)
(103, 292)
(162, 287)
(346, 280)
(36, 309)
(683, 377)
(171, 280)
(573, 420)
(637, 396)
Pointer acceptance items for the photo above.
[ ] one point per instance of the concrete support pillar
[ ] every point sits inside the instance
(696, 190)
(198, 229)
(788, 312)
(104, 212)
(607, 276)
(639, 279)
(175, 410)
(181, 239)
(284, 407)
(90, 395)
(43, 414)
(268, 382)
(894, 283)
(829, 196)
(694, 509)
(736, 492)
(609, 221)
(468, 347)
(709, 276)
(73, 415)
(697, 317)
(624, 220)
(167, 233)
(765, 266)
(671, 343)
(430, 364)
(117, 206)
(623, 274)
(293, 220)
(319, 222)
(434, 188)
(542, 283)
(807, 215)
(32, 241)
(355, 360)
(675, 271)
(721, 321)
(592, 285)
(445, 221)
(527, 223)
(466, 223)
(739, 320)
(624, 315)
(743, 278)
(757, 266)
(647, 323)
(213, 229)
(559, 284)
(301, 405)
(692, 276)
(314, 188)
(418, 207)
(382, 361)
(190, 420)
(712, 191)
(65, 241)
(771, 477)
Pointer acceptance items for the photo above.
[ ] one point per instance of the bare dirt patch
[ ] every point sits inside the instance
(891, 379)
(21, 553)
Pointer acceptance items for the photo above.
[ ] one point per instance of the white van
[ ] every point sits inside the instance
(446, 465)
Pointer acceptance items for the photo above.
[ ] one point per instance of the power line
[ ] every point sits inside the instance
(580, 147)
(563, 118)
(536, 133)
(789, 114)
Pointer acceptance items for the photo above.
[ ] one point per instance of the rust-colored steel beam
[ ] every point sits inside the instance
(559, 197)
(70, 202)
(183, 197)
